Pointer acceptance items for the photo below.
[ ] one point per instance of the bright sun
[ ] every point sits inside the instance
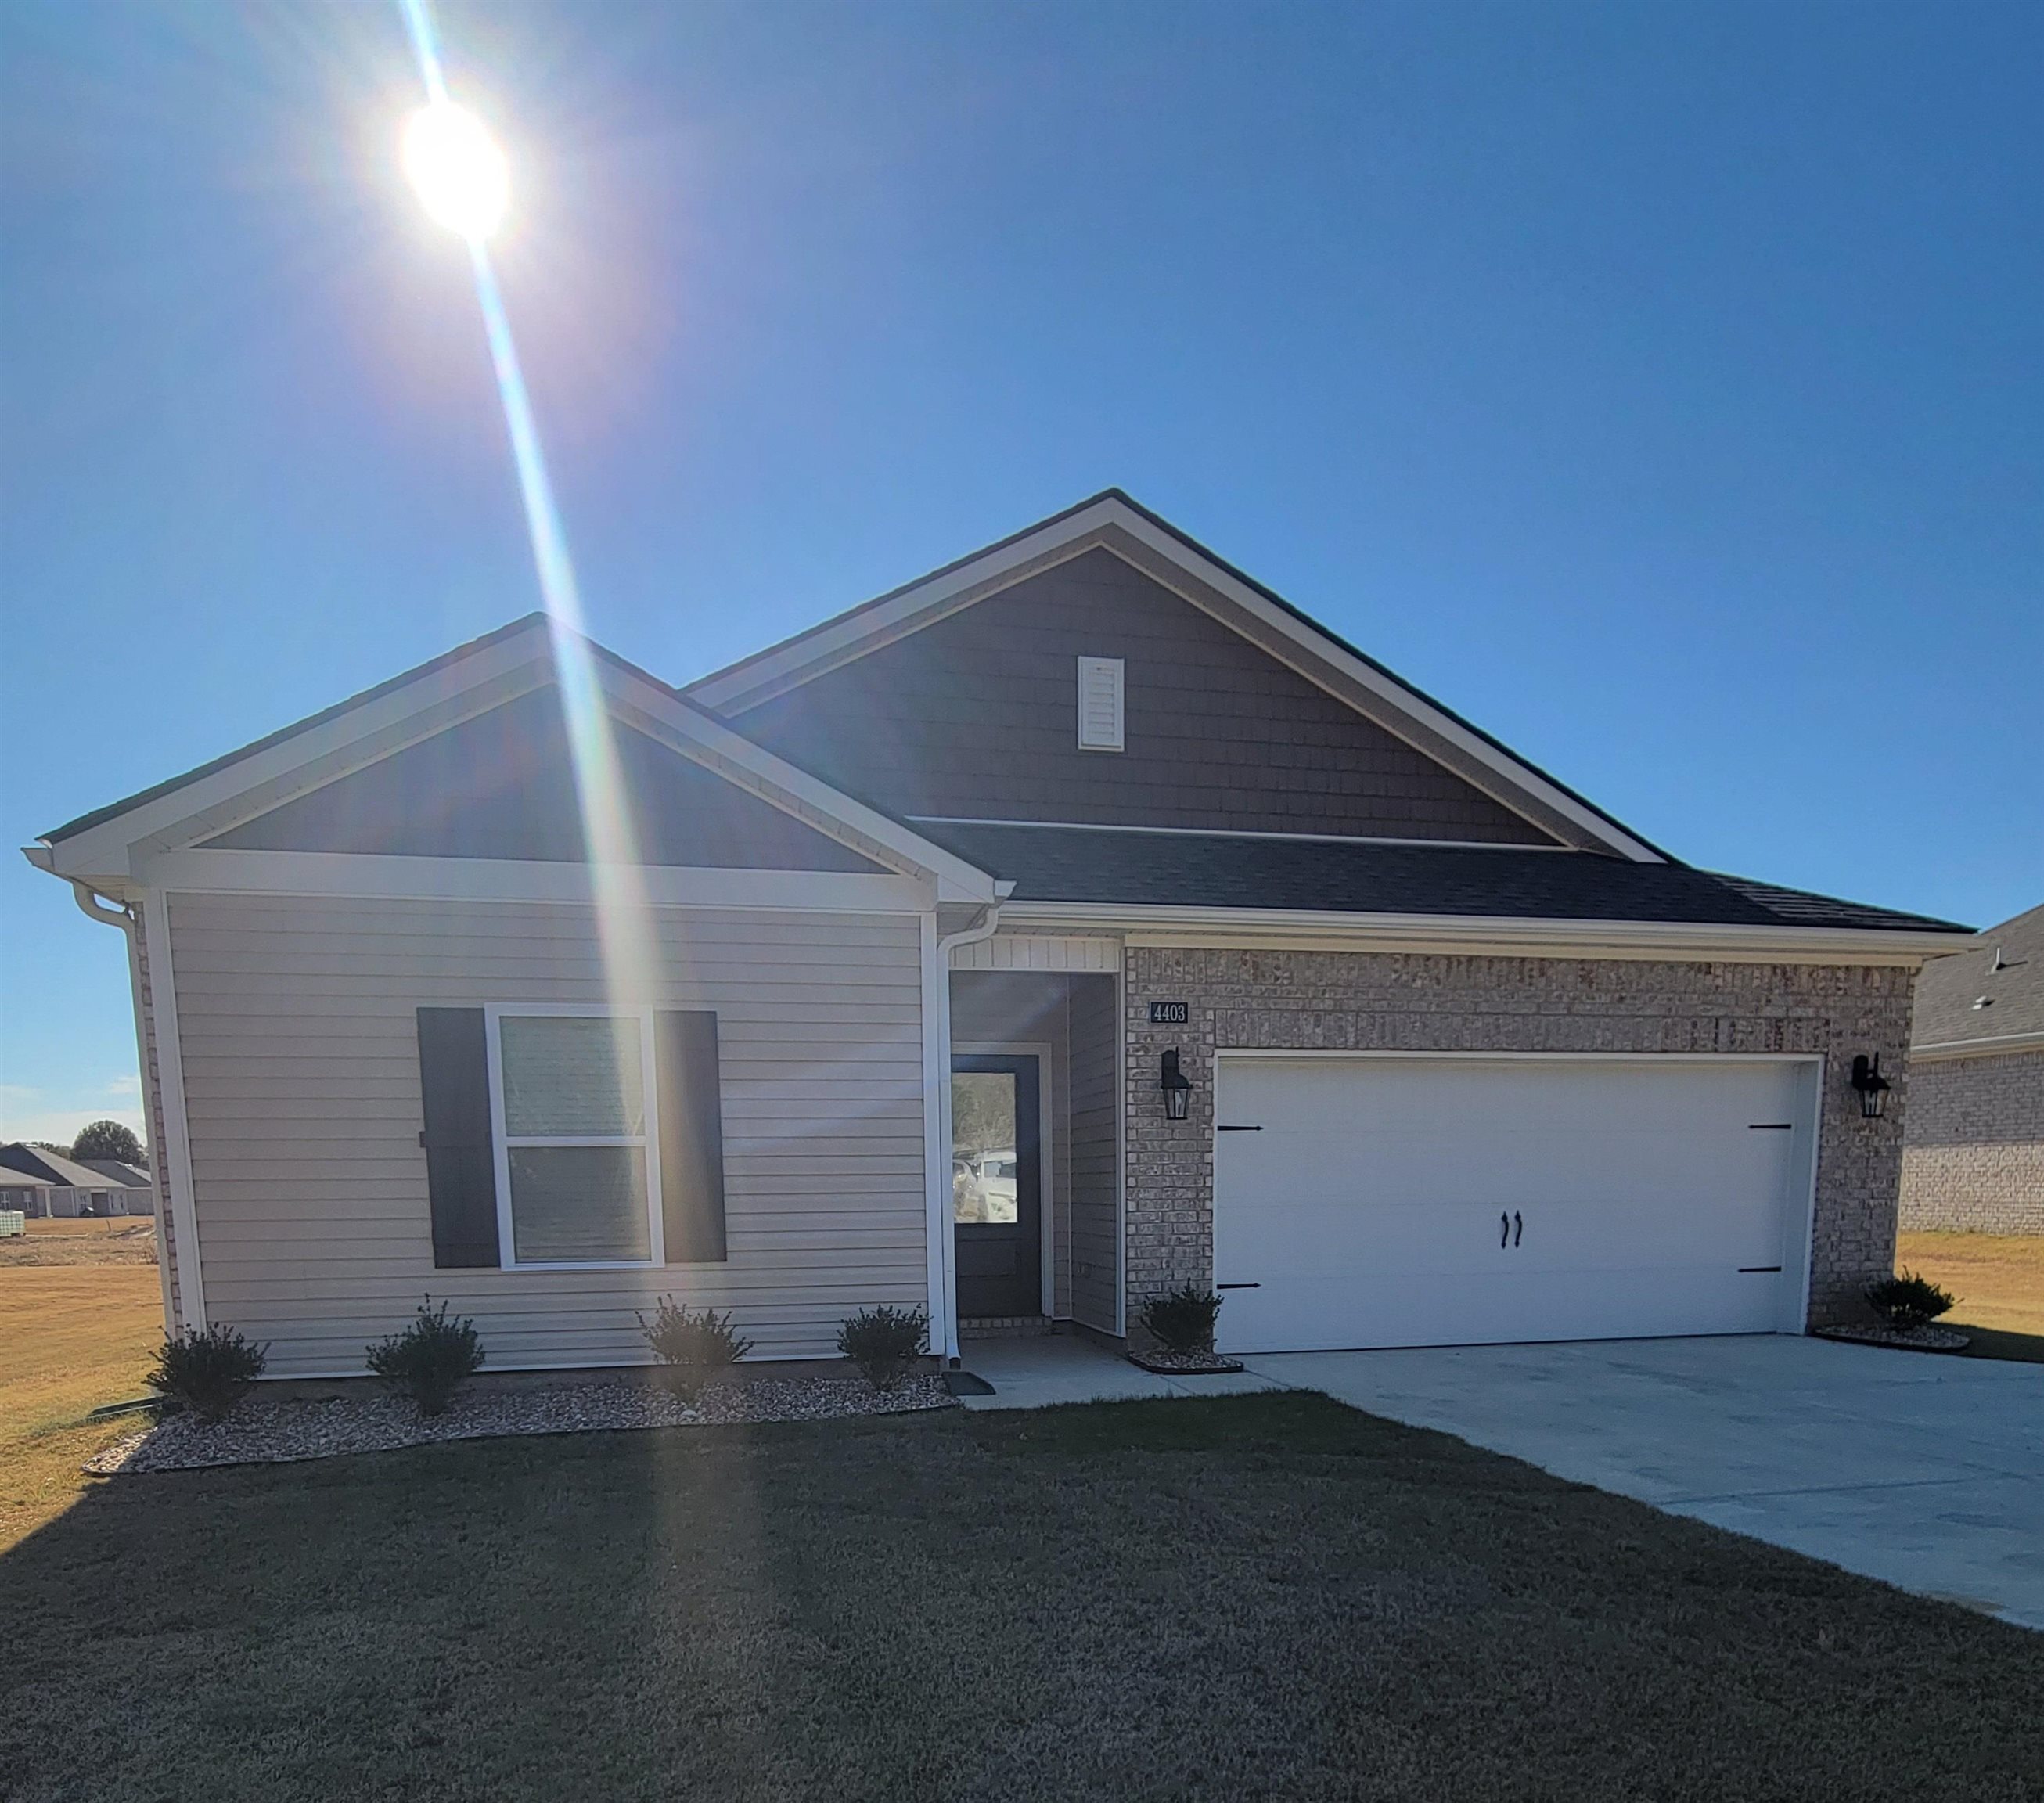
(458, 168)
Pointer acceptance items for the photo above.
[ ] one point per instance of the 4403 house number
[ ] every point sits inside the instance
(1170, 1013)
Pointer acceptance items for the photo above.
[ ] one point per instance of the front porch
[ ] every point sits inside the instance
(1036, 1190)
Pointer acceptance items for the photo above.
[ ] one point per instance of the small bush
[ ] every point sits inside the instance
(1906, 1301)
(431, 1359)
(692, 1348)
(207, 1371)
(1182, 1319)
(883, 1343)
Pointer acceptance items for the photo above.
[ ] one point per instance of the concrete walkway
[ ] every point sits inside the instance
(1927, 1472)
(1043, 1370)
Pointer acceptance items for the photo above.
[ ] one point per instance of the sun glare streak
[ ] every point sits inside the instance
(624, 921)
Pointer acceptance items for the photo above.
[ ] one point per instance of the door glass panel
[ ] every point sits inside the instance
(983, 1150)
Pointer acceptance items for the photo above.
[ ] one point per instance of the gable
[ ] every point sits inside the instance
(501, 785)
(974, 716)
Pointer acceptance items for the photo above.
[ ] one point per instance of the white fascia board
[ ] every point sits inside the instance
(1387, 688)
(1476, 935)
(102, 852)
(208, 870)
(821, 806)
(867, 628)
(1998, 1047)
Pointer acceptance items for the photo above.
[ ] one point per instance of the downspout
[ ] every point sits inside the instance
(983, 927)
(95, 907)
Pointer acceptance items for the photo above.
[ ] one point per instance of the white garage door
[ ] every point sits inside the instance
(1433, 1201)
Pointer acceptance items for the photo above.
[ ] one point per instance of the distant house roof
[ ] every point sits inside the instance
(130, 1176)
(1200, 870)
(1992, 992)
(53, 1166)
(13, 1179)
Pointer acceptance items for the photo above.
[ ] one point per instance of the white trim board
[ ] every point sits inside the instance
(199, 870)
(1469, 935)
(114, 853)
(180, 1191)
(1111, 523)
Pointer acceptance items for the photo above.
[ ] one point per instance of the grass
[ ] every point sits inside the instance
(122, 1241)
(1999, 1280)
(76, 1335)
(1263, 1596)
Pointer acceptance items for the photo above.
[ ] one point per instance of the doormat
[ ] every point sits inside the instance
(1184, 1364)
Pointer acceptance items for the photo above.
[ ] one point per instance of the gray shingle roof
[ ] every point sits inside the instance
(54, 1166)
(1947, 991)
(1053, 863)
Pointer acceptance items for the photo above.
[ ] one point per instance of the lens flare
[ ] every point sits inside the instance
(623, 919)
(462, 179)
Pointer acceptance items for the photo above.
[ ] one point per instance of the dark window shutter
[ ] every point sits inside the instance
(691, 1137)
(461, 1158)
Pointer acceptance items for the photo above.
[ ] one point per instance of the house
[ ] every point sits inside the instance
(138, 1187)
(53, 1185)
(25, 1194)
(1271, 971)
(1973, 1161)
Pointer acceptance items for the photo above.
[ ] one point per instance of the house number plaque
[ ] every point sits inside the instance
(1168, 1013)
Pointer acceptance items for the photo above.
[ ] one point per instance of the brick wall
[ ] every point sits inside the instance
(1974, 1158)
(1386, 1001)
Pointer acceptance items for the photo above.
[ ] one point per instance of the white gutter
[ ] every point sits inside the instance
(1510, 935)
(942, 1243)
(94, 908)
(1978, 1048)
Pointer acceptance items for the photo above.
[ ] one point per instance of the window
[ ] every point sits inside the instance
(1100, 704)
(577, 1165)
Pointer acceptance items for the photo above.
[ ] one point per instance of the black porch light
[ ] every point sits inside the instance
(1177, 1087)
(1873, 1087)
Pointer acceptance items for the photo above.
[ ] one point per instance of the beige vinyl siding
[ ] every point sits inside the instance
(301, 1087)
(1095, 1158)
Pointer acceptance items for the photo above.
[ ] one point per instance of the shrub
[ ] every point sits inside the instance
(692, 1348)
(1182, 1319)
(883, 1343)
(1907, 1300)
(207, 1371)
(431, 1359)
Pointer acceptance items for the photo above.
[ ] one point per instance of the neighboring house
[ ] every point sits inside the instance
(1974, 1158)
(139, 1188)
(1272, 972)
(30, 1195)
(71, 1188)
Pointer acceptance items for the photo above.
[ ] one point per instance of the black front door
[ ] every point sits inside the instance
(997, 1192)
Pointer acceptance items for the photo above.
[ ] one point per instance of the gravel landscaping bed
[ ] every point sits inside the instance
(1911, 1338)
(1185, 1364)
(271, 1433)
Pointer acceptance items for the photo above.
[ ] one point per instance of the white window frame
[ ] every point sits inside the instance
(502, 1141)
(1113, 671)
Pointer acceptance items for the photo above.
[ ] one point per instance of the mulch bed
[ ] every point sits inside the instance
(271, 1433)
(1184, 1364)
(1909, 1338)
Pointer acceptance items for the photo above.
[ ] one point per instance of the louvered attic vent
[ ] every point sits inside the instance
(1100, 704)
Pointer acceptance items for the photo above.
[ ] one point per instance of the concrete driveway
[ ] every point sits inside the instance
(1927, 1472)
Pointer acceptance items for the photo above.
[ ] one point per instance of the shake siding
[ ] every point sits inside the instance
(1096, 1210)
(301, 1083)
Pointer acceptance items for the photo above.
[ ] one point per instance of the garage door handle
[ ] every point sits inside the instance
(1504, 1230)
(1238, 1286)
(1518, 1225)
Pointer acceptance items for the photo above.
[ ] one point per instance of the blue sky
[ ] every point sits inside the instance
(1658, 385)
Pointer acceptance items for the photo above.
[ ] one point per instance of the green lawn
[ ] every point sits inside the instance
(1250, 1597)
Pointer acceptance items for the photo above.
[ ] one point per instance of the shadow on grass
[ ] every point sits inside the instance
(1257, 1595)
(1998, 1342)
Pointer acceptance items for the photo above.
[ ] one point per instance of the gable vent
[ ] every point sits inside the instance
(1100, 704)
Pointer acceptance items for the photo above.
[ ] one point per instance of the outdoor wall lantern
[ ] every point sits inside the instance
(1177, 1088)
(1873, 1087)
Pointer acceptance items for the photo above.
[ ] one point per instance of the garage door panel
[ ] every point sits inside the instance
(1387, 1201)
